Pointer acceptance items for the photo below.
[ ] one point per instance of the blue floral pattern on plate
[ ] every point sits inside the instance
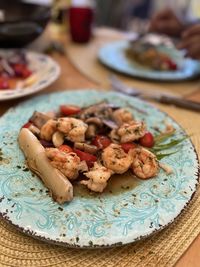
(45, 70)
(113, 56)
(103, 220)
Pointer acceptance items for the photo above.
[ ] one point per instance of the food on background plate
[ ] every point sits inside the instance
(149, 56)
(96, 141)
(14, 70)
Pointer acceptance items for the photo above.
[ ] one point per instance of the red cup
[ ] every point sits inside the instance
(80, 21)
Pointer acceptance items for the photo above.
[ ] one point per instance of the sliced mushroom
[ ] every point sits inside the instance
(105, 113)
(53, 179)
(86, 147)
(91, 131)
(93, 109)
(34, 130)
(39, 119)
(94, 120)
(58, 139)
(51, 114)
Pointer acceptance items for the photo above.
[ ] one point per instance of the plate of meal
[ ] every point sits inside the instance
(23, 72)
(148, 61)
(93, 168)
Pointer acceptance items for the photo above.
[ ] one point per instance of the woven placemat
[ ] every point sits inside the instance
(160, 250)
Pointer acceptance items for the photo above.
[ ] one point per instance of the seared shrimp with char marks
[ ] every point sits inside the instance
(98, 177)
(114, 136)
(67, 163)
(122, 116)
(115, 159)
(132, 131)
(144, 163)
(74, 129)
(48, 129)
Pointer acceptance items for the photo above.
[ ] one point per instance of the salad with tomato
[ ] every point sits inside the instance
(14, 68)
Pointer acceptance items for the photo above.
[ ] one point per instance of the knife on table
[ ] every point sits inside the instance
(163, 98)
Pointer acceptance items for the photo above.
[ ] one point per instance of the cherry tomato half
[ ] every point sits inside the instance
(26, 73)
(68, 110)
(147, 140)
(89, 158)
(4, 83)
(171, 64)
(21, 70)
(127, 146)
(65, 148)
(27, 125)
(101, 141)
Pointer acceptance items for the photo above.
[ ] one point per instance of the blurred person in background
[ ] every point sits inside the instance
(174, 18)
(177, 18)
(127, 14)
(114, 13)
(184, 26)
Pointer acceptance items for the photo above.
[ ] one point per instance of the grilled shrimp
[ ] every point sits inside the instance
(48, 129)
(98, 177)
(131, 131)
(122, 116)
(115, 159)
(74, 129)
(67, 163)
(144, 163)
(114, 136)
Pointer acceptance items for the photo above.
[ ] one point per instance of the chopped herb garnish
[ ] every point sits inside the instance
(162, 137)
(161, 156)
(171, 144)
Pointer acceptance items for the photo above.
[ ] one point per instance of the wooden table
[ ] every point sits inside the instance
(71, 78)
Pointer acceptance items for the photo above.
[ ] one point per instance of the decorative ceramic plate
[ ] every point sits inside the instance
(113, 56)
(119, 216)
(45, 71)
